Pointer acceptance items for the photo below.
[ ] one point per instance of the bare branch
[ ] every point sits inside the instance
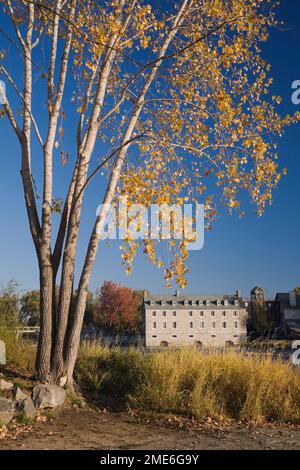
(34, 123)
(12, 17)
(10, 113)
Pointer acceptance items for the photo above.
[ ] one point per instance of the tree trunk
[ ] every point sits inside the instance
(43, 358)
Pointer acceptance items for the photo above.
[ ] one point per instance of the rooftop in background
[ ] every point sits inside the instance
(196, 301)
(288, 299)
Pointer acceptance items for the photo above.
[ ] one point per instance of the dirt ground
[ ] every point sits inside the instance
(98, 430)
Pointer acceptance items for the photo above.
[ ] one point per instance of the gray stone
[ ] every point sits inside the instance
(4, 385)
(2, 353)
(19, 395)
(27, 407)
(48, 396)
(6, 411)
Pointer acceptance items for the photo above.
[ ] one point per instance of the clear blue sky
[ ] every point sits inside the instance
(238, 253)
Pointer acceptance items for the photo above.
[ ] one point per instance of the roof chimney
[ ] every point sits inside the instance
(238, 293)
(177, 293)
(292, 299)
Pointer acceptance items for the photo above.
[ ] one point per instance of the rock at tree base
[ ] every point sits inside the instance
(48, 396)
(2, 353)
(19, 395)
(27, 407)
(5, 385)
(6, 411)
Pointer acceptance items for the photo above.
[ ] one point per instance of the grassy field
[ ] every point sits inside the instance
(20, 354)
(220, 385)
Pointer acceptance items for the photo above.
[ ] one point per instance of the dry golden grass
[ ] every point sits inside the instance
(20, 354)
(188, 382)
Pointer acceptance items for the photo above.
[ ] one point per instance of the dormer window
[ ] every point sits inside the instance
(186, 302)
(236, 303)
(207, 302)
(225, 302)
(193, 302)
(200, 302)
(163, 302)
(152, 302)
(174, 302)
(218, 302)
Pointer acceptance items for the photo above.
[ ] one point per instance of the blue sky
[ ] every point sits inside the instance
(238, 253)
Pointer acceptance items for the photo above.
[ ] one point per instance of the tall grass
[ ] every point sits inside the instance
(20, 354)
(188, 382)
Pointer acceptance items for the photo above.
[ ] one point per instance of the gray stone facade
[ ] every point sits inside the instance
(177, 320)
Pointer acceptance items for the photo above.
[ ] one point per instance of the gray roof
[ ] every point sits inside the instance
(194, 301)
(284, 299)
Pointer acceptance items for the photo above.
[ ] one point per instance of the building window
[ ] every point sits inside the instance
(153, 314)
(235, 324)
(164, 324)
(174, 324)
(224, 313)
(236, 336)
(191, 324)
(201, 313)
(213, 325)
(202, 325)
(174, 302)
(235, 313)
(190, 314)
(154, 324)
(212, 313)
(191, 336)
(154, 336)
(174, 336)
(213, 336)
(224, 324)
(174, 314)
(164, 313)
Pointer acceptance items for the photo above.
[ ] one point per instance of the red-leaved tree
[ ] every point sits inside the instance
(118, 307)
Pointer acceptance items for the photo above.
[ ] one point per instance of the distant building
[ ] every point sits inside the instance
(194, 320)
(287, 313)
(279, 318)
(260, 313)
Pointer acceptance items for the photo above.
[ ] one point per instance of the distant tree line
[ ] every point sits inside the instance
(114, 308)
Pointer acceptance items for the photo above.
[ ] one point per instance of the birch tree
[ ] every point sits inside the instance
(173, 93)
